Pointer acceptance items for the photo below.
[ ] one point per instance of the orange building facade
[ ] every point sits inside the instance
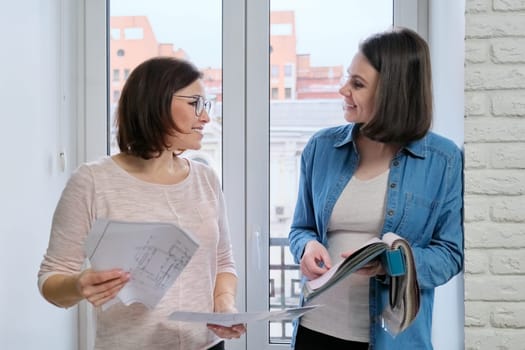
(132, 42)
(291, 75)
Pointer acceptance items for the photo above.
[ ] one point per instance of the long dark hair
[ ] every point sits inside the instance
(403, 100)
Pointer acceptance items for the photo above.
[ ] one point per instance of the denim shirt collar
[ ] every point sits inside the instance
(417, 148)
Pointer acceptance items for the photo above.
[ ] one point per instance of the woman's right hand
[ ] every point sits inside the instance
(315, 260)
(98, 287)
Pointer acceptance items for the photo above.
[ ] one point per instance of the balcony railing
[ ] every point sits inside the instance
(284, 287)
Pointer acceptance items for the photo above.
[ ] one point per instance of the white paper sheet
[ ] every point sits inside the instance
(230, 319)
(154, 253)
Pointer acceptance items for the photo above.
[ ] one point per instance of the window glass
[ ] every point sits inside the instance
(143, 29)
(314, 42)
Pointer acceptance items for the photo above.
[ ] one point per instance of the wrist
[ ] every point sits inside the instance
(224, 294)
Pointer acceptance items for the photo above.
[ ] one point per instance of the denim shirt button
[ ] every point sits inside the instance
(390, 212)
(396, 163)
(392, 185)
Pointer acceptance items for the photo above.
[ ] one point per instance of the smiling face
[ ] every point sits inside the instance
(183, 113)
(359, 90)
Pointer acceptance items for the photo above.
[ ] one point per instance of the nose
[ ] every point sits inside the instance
(204, 117)
(345, 90)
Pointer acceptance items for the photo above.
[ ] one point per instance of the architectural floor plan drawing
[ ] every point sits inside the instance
(155, 253)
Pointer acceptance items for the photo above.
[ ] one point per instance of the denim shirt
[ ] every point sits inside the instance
(424, 204)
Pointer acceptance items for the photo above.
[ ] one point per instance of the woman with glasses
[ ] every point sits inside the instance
(161, 113)
(384, 171)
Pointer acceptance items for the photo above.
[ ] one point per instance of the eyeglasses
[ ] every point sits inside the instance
(200, 104)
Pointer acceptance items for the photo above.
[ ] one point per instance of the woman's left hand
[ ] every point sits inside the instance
(226, 303)
(224, 332)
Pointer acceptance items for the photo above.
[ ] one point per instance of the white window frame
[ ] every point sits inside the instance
(409, 13)
(245, 136)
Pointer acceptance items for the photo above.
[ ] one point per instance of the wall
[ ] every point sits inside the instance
(34, 130)
(495, 180)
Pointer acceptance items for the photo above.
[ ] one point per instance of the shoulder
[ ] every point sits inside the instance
(201, 168)
(333, 134)
(329, 137)
(440, 141)
(203, 171)
(442, 153)
(86, 173)
(441, 145)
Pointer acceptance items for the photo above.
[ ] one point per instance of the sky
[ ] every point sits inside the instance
(328, 30)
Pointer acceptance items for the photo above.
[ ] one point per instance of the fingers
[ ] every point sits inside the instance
(233, 332)
(106, 292)
(90, 277)
(311, 269)
(315, 260)
(100, 286)
(326, 258)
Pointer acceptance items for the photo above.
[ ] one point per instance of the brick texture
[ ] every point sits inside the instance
(494, 175)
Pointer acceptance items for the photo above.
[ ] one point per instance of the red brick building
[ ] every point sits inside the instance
(291, 75)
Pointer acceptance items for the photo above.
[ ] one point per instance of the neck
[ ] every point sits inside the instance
(369, 148)
(163, 169)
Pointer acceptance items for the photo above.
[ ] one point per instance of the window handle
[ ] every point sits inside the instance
(256, 246)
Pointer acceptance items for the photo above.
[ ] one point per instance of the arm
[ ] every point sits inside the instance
(224, 301)
(97, 287)
(61, 290)
(304, 239)
(226, 279)
(443, 258)
(61, 279)
(303, 227)
(224, 293)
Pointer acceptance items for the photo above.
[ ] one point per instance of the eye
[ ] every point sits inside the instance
(356, 84)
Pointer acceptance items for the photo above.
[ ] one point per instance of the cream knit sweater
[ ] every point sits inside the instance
(104, 190)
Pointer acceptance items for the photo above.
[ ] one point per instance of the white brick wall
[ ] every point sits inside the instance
(494, 175)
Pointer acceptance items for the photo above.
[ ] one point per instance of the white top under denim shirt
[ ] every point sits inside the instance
(424, 205)
(357, 218)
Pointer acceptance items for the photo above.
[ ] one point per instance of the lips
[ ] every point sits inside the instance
(347, 106)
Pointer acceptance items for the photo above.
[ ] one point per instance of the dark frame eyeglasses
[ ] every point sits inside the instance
(200, 104)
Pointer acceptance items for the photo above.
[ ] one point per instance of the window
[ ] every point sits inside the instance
(115, 33)
(256, 132)
(116, 96)
(153, 36)
(133, 33)
(275, 93)
(281, 28)
(311, 102)
(288, 70)
(287, 93)
(275, 71)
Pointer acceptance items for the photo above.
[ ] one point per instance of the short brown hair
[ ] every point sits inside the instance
(144, 110)
(403, 100)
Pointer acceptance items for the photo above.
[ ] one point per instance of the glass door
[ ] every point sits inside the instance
(311, 46)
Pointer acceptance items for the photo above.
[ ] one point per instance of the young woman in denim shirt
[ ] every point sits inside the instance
(382, 172)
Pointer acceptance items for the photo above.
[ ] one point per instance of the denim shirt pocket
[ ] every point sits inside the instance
(419, 218)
